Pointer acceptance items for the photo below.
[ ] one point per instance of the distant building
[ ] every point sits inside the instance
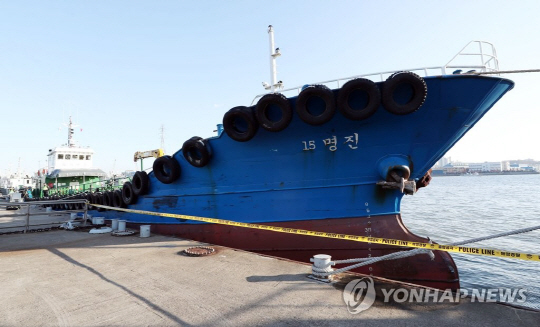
(475, 167)
(443, 162)
(486, 167)
(520, 167)
(523, 165)
(445, 166)
(456, 168)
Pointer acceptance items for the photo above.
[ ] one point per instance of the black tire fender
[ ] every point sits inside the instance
(264, 104)
(78, 206)
(70, 206)
(90, 199)
(397, 80)
(352, 87)
(166, 169)
(106, 198)
(64, 206)
(140, 183)
(303, 103)
(236, 117)
(128, 195)
(118, 202)
(197, 151)
(82, 196)
(98, 199)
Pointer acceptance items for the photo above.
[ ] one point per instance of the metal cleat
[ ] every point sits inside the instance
(322, 264)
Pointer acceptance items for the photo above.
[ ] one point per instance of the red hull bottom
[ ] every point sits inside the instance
(440, 272)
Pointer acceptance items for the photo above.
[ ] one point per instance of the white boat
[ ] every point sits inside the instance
(70, 168)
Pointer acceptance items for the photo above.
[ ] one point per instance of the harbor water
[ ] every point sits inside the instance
(458, 208)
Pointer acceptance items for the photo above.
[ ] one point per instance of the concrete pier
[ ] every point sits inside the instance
(72, 278)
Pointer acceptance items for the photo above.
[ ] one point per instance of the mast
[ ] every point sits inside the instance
(71, 130)
(274, 53)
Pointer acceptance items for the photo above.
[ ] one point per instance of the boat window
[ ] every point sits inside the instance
(60, 156)
(68, 156)
(88, 157)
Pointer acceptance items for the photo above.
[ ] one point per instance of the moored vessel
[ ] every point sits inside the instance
(336, 157)
(70, 168)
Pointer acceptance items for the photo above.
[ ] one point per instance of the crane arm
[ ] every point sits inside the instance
(147, 154)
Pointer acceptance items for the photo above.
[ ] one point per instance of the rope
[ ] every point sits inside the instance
(327, 271)
(517, 231)
(389, 256)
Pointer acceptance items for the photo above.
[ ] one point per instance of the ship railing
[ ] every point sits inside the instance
(25, 211)
(102, 185)
(475, 57)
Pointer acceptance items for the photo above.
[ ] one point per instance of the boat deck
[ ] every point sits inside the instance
(73, 278)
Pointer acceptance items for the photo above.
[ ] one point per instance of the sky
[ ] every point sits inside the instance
(124, 69)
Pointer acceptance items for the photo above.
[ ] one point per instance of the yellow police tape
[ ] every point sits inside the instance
(365, 239)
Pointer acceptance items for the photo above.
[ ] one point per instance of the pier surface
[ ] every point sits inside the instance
(73, 278)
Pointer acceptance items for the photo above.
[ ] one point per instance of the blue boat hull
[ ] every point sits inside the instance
(299, 175)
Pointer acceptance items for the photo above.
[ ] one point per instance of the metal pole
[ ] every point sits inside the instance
(27, 218)
(85, 213)
(273, 72)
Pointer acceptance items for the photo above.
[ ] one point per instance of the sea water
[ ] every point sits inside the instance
(458, 208)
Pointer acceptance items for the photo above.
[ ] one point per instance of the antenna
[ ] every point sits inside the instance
(70, 133)
(71, 130)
